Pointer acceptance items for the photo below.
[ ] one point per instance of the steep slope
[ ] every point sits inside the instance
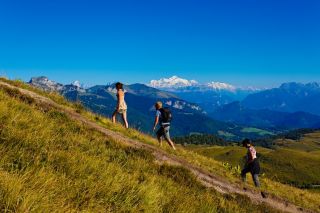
(209, 180)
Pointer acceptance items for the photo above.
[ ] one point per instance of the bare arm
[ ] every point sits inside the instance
(118, 104)
(119, 96)
(156, 121)
(250, 155)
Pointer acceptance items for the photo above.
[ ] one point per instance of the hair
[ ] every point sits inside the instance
(119, 85)
(246, 141)
(158, 104)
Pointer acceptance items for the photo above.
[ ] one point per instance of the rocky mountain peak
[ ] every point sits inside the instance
(46, 84)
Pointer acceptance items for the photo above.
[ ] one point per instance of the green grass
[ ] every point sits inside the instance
(84, 158)
(256, 130)
(51, 163)
(226, 134)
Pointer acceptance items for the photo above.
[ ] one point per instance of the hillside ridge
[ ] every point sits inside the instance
(207, 179)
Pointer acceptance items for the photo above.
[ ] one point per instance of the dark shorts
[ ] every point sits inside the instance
(253, 168)
(164, 131)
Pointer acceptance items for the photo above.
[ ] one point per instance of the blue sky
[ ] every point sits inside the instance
(257, 43)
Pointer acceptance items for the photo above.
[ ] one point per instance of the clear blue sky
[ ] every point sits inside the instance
(260, 43)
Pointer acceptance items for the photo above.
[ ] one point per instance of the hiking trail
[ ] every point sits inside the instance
(207, 179)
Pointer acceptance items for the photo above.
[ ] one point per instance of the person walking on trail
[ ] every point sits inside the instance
(121, 107)
(252, 164)
(163, 117)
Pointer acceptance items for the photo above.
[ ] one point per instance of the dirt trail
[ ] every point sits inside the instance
(206, 178)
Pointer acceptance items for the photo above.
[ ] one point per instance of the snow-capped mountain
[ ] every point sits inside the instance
(221, 86)
(173, 82)
(176, 83)
(208, 95)
(77, 83)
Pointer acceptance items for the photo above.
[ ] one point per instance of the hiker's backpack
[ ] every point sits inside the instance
(166, 115)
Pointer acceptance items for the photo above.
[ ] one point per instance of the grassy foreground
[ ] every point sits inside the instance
(51, 163)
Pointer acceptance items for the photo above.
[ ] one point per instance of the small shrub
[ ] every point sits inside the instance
(79, 107)
(15, 93)
(43, 107)
(235, 170)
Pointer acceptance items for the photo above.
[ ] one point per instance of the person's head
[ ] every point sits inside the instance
(158, 105)
(246, 142)
(119, 86)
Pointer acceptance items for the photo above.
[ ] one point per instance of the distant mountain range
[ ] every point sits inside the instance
(292, 105)
(213, 108)
(188, 117)
(52, 86)
(264, 118)
(207, 95)
(175, 83)
(289, 97)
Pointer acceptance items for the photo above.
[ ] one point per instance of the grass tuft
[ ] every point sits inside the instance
(15, 93)
(180, 175)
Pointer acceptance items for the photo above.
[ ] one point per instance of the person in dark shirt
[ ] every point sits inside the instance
(252, 164)
(163, 131)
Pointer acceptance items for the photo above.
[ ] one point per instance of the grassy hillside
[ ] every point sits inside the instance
(291, 162)
(50, 162)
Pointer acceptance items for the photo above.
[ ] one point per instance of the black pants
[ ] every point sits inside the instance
(254, 169)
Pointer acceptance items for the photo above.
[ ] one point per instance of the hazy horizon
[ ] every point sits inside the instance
(73, 78)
